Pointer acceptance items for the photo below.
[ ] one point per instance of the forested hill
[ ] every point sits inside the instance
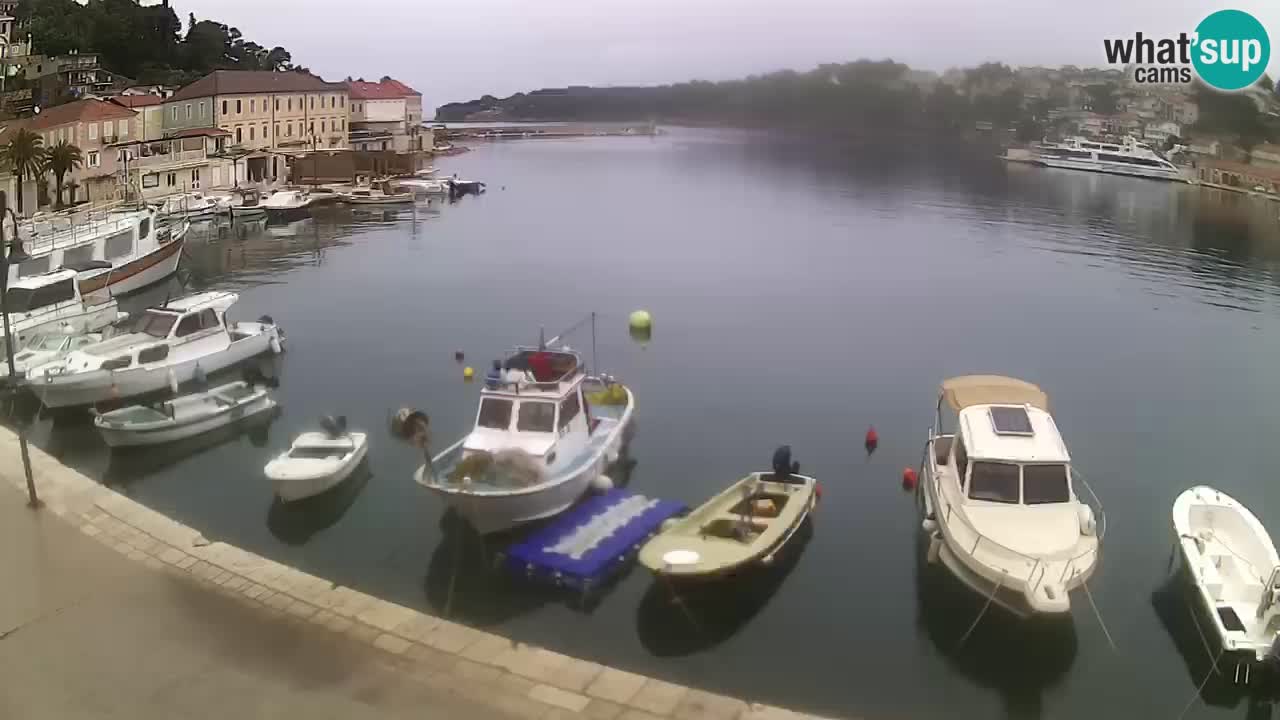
(148, 44)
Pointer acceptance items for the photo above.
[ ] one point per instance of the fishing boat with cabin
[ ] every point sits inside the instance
(168, 345)
(131, 250)
(52, 302)
(1001, 499)
(538, 443)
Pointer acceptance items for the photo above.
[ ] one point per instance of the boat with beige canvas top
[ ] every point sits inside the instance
(742, 527)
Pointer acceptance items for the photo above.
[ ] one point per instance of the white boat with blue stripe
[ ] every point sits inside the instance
(544, 433)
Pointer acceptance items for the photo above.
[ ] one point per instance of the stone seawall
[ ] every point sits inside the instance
(548, 683)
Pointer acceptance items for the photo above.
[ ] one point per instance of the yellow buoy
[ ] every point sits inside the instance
(640, 320)
(468, 373)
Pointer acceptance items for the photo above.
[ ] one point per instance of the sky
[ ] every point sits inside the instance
(458, 51)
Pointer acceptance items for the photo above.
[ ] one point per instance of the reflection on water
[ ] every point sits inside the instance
(800, 293)
(294, 523)
(127, 466)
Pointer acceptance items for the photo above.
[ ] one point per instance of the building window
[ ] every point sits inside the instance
(122, 128)
(224, 107)
(195, 177)
(277, 129)
(253, 105)
(344, 124)
(174, 112)
(94, 159)
(122, 156)
(239, 107)
(265, 134)
(288, 103)
(321, 126)
(93, 131)
(250, 133)
(277, 104)
(311, 128)
(288, 129)
(188, 111)
(151, 180)
(342, 100)
(106, 128)
(171, 179)
(313, 102)
(202, 108)
(239, 138)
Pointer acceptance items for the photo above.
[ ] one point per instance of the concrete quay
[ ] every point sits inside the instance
(111, 609)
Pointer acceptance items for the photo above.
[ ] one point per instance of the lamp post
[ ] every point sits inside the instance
(11, 253)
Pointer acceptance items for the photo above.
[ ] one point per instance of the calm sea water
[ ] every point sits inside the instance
(801, 294)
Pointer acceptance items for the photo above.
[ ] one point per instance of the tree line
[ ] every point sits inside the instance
(147, 43)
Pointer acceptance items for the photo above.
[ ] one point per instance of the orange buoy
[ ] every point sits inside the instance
(872, 441)
(909, 479)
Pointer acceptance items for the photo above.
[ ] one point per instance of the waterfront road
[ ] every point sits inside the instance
(85, 632)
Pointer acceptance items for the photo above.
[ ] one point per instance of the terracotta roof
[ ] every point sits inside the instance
(387, 89)
(235, 82)
(136, 101)
(79, 111)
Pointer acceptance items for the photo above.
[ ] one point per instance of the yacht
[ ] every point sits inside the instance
(168, 345)
(537, 444)
(52, 302)
(121, 250)
(1129, 157)
(1001, 502)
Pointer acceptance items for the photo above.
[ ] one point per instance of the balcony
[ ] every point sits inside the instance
(158, 160)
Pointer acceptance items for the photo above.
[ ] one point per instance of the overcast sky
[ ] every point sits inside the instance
(460, 50)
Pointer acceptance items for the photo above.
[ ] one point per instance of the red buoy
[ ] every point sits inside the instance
(872, 441)
(817, 490)
(909, 479)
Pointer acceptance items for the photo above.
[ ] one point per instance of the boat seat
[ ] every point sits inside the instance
(1211, 577)
(942, 449)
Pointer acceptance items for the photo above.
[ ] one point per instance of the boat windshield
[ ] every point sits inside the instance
(994, 482)
(41, 343)
(155, 324)
(22, 299)
(495, 413)
(536, 417)
(1043, 484)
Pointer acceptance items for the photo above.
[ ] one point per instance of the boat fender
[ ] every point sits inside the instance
(929, 525)
(276, 347)
(602, 483)
(935, 548)
(872, 440)
(173, 383)
(909, 478)
(1088, 524)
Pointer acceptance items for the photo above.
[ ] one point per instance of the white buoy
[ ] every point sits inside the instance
(602, 483)
(173, 381)
(276, 348)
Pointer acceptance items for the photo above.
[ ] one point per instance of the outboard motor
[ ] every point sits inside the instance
(334, 426)
(783, 466)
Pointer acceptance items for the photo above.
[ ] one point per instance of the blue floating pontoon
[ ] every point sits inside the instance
(590, 542)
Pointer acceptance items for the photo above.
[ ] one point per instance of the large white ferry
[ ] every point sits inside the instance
(1129, 157)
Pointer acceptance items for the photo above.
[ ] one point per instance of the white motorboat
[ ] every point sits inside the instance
(43, 349)
(1128, 157)
(192, 205)
(457, 187)
(372, 196)
(1001, 500)
(121, 250)
(183, 417)
(168, 345)
(317, 461)
(423, 181)
(288, 204)
(241, 203)
(536, 446)
(1233, 564)
(52, 302)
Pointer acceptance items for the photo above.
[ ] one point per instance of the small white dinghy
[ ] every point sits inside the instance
(317, 461)
(1233, 564)
(183, 417)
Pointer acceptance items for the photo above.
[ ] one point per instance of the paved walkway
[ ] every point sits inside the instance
(109, 609)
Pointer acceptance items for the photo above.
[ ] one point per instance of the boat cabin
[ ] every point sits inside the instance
(182, 326)
(68, 238)
(537, 405)
(37, 294)
(1003, 452)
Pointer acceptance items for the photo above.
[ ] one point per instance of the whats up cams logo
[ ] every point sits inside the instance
(1229, 50)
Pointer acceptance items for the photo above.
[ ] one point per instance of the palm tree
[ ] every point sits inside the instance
(61, 159)
(24, 154)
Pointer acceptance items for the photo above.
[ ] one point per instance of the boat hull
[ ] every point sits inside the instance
(87, 388)
(1110, 168)
(292, 489)
(121, 437)
(140, 272)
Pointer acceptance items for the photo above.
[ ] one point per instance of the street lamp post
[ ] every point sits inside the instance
(11, 253)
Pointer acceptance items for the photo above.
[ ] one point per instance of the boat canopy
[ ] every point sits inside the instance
(967, 390)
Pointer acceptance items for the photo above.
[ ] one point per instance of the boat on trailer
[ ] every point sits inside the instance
(1232, 562)
(537, 444)
(183, 417)
(1000, 498)
(168, 345)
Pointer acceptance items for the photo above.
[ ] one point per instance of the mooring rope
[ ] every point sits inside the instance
(1098, 614)
(982, 612)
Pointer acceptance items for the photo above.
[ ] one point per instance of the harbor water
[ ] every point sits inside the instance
(801, 293)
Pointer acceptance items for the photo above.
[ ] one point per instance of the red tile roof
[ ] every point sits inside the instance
(135, 101)
(79, 111)
(236, 82)
(387, 89)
